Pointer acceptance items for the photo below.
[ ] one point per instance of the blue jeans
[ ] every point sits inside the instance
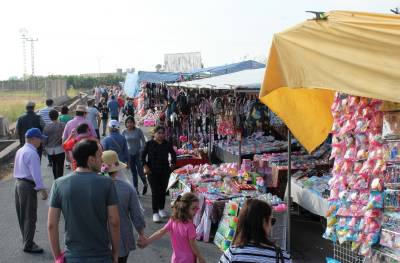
(88, 259)
(137, 169)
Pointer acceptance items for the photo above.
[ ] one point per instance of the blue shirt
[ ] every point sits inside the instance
(27, 165)
(117, 142)
(113, 108)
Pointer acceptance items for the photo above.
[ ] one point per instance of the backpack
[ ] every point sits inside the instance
(257, 116)
(129, 109)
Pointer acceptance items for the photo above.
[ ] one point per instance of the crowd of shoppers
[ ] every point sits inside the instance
(100, 228)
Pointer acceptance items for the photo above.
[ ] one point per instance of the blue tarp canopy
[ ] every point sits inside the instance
(131, 85)
(243, 81)
(158, 77)
(230, 68)
(133, 80)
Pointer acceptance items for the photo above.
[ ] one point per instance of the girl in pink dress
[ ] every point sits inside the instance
(182, 230)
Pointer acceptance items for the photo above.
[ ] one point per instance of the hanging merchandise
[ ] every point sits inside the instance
(257, 117)
(356, 198)
(183, 104)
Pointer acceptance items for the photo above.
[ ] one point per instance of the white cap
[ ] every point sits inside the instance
(113, 124)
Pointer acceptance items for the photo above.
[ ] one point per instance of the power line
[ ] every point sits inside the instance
(32, 54)
(26, 38)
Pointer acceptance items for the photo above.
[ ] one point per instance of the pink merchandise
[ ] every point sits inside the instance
(356, 199)
(149, 123)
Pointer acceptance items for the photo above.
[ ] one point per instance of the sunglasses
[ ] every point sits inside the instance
(273, 221)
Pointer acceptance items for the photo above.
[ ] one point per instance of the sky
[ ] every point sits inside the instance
(91, 36)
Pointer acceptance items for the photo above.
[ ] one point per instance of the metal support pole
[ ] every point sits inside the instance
(237, 128)
(289, 181)
(210, 135)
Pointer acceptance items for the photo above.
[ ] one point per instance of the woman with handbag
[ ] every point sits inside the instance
(155, 159)
(251, 243)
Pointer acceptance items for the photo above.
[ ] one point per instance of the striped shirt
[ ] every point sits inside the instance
(44, 113)
(252, 253)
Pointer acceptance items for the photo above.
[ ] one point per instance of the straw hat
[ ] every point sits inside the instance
(81, 108)
(111, 163)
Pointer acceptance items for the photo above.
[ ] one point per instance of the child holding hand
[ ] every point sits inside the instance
(182, 230)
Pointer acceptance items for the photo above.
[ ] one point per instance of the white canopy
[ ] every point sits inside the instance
(245, 80)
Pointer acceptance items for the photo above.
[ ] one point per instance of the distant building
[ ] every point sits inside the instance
(118, 72)
(182, 62)
(95, 75)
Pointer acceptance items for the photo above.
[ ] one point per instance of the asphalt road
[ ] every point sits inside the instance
(11, 241)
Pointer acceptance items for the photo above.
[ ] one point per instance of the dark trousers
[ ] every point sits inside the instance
(137, 169)
(123, 259)
(104, 121)
(158, 184)
(26, 206)
(98, 133)
(57, 162)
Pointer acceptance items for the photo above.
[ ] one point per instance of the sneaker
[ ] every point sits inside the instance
(34, 249)
(144, 190)
(156, 218)
(162, 213)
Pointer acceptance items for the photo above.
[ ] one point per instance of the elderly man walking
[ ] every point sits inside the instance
(28, 182)
(28, 120)
(89, 204)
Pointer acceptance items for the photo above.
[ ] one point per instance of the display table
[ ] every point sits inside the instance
(308, 200)
(227, 157)
(193, 160)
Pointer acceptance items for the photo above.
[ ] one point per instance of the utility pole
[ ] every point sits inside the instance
(24, 37)
(32, 53)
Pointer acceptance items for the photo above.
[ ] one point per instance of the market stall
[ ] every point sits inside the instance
(240, 124)
(222, 190)
(351, 53)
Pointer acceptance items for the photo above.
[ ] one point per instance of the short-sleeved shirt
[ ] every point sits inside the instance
(65, 118)
(181, 233)
(83, 199)
(252, 253)
(92, 115)
(113, 107)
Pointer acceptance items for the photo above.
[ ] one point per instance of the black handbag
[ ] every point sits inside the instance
(279, 255)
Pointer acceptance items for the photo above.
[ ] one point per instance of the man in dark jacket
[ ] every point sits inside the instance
(28, 120)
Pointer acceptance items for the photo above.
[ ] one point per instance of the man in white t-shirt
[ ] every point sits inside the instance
(93, 116)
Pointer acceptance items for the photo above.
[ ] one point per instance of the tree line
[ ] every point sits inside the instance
(80, 82)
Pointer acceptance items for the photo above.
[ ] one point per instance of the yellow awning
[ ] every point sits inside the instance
(350, 52)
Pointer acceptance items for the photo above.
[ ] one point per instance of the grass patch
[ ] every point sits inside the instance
(72, 92)
(13, 103)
